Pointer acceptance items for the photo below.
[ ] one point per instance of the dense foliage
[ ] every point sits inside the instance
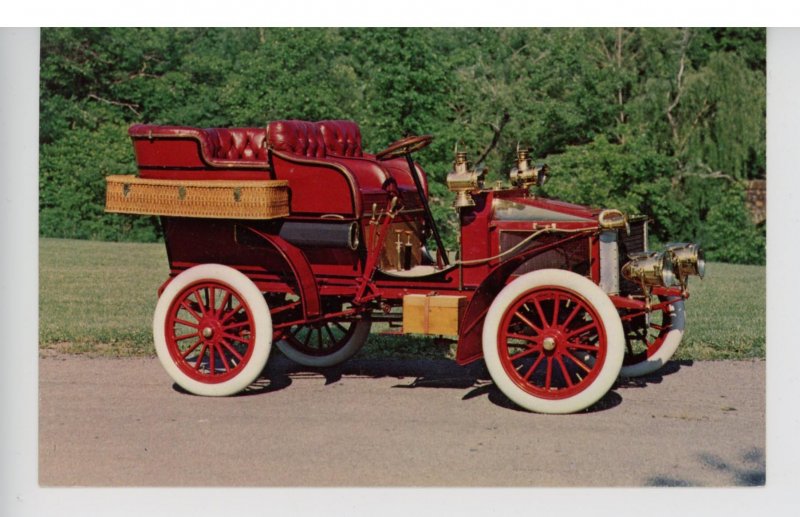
(664, 122)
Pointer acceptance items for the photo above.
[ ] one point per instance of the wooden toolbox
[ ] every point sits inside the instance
(439, 315)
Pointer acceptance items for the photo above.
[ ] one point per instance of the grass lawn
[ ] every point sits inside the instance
(98, 298)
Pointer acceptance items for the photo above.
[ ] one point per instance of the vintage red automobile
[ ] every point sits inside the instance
(292, 234)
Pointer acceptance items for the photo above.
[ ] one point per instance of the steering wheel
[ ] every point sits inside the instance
(405, 146)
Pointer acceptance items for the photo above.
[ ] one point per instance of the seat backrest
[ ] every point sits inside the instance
(296, 137)
(341, 137)
(237, 143)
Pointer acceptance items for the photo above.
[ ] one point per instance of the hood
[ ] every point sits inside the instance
(541, 209)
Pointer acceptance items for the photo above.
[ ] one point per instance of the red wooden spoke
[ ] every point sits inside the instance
(188, 324)
(533, 368)
(237, 338)
(211, 361)
(222, 358)
(523, 337)
(524, 353)
(236, 325)
(577, 362)
(191, 348)
(571, 316)
(191, 311)
(225, 301)
(212, 306)
(186, 336)
(540, 311)
(200, 302)
(581, 346)
(527, 322)
(230, 349)
(549, 373)
(224, 318)
(200, 356)
(582, 330)
(564, 371)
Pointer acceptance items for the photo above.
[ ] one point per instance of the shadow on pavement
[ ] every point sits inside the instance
(750, 469)
(413, 373)
(672, 367)
(434, 373)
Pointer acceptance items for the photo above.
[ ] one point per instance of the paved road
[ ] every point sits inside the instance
(121, 422)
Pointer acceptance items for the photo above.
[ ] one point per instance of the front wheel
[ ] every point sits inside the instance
(652, 338)
(553, 342)
(212, 330)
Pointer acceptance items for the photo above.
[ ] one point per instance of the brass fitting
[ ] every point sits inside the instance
(612, 218)
(524, 174)
(463, 182)
(650, 269)
(688, 258)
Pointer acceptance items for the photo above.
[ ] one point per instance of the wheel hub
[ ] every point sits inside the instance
(208, 332)
(549, 344)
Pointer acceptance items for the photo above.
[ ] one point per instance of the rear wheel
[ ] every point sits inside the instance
(325, 344)
(212, 330)
(553, 342)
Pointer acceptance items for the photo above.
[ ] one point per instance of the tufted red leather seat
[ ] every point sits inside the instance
(341, 137)
(297, 137)
(237, 143)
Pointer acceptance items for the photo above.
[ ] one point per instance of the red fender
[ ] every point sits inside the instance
(470, 336)
(301, 270)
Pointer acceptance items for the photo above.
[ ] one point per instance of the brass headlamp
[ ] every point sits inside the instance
(689, 259)
(464, 182)
(650, 269)
(524, 174)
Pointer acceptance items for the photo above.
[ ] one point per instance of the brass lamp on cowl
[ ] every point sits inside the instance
(524, 174)
(463, 182)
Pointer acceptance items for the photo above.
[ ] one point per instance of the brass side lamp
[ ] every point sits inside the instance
(463, 182)
(524, 174)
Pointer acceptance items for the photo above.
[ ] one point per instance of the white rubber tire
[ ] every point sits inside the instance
(593, 295)
(353, 345)
(262, 324)
(667, 348)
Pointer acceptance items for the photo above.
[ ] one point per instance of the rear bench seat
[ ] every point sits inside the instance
(171, 152)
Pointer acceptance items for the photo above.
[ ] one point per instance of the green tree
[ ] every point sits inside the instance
(665, 122)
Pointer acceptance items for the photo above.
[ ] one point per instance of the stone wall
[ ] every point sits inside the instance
(756, 200)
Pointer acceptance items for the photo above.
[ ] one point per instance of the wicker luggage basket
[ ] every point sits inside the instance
(217, 199)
